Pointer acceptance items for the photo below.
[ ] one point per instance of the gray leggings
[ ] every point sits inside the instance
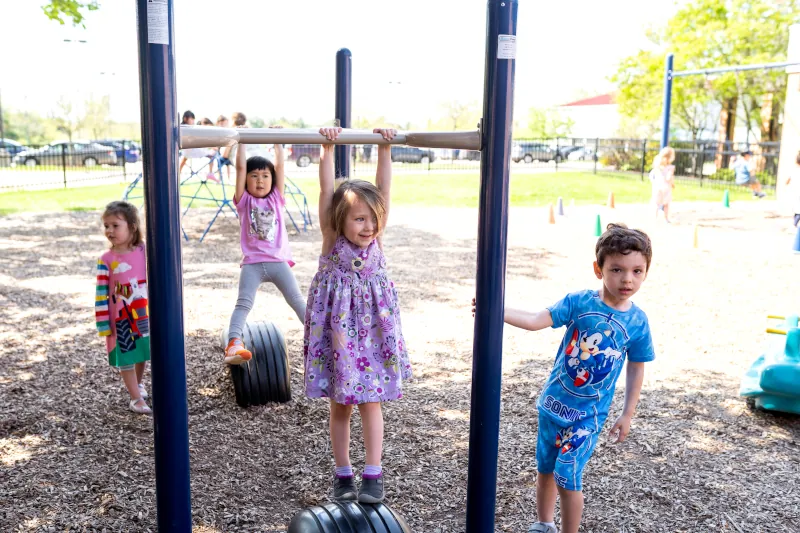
(254, 275)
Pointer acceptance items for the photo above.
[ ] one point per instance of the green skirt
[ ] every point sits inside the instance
(138, 353)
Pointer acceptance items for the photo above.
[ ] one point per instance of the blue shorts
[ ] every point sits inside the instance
(564, 452)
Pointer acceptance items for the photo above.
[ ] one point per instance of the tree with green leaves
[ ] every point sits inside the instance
(96, 117)
(26, 127)
(67, 118)
(640, 79)
(547, 123)
(70, 9)
(706, 34)
(367, 123)
(461, 115)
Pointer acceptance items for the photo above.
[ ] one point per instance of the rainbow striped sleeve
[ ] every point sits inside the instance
(101, 300)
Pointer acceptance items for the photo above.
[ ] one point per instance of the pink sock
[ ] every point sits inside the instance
(372, 472)
(344, 471)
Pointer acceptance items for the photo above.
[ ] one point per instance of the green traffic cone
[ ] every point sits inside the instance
(598, 229)
(726, 200)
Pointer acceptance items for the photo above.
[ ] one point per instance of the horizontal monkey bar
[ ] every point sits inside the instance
(212, 137)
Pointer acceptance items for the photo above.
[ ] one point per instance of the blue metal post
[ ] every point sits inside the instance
(667, 101)
(498, 99)
(160, 141)
(344, 71)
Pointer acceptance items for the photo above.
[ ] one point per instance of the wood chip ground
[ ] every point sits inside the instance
(73, 458)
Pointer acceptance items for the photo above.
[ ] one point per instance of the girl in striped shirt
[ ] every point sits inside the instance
(121, 300)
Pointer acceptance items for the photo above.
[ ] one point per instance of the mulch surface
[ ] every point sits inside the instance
(73, 458)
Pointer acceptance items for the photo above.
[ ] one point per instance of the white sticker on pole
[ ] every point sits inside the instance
(157, 22)
(506, 47)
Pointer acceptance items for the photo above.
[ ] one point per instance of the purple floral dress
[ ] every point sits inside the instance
(353, 347)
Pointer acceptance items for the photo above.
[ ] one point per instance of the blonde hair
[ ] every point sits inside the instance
(665, 157)
(347, 194)
(129, 214)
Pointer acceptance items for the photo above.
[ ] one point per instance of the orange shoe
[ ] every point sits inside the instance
(235, 353)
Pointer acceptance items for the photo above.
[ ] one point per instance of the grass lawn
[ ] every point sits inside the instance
(446, 190)
(462, 190)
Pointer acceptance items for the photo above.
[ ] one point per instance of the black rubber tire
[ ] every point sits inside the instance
(267, 376)
(348, 517)
(241, 386)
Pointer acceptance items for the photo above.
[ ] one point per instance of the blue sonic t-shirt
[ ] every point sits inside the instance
(591, 356)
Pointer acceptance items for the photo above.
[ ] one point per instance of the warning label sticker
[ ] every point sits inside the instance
(157, 22)
(506, 47)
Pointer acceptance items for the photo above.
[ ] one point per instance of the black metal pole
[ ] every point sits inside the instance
(702, 163)
(124, 161)
(64, 162)
(160, 143)
(667, 101)
(344, 75)
(558, 150)
(644, 156)
(496, 128)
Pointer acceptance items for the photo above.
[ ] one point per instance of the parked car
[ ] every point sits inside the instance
(411, 154)
(127, 151)
(566, 150)
(583, 153)
(87, 154)
(11, 148)
(302, 154)
(8, 149)
(534, 151)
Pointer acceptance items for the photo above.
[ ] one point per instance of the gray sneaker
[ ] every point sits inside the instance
(344, 488)
(541, 527)
(371, 490)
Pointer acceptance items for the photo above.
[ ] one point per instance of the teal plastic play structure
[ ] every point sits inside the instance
(773, 381)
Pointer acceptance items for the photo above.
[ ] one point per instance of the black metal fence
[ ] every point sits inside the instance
(707, 163)
(68, 164)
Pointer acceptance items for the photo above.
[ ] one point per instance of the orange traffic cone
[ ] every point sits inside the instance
(611, 200)
(552, 217)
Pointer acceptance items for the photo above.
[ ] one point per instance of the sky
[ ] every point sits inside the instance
(271, 58)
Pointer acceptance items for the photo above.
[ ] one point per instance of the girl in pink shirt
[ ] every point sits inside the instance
(265, 245)
(120, 303)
